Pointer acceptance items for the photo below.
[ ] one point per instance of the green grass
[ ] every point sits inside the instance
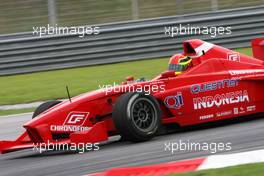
(242, 170)
(51, 85)
(43, 86)
(246, 51)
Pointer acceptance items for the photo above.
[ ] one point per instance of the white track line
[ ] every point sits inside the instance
(220, 161)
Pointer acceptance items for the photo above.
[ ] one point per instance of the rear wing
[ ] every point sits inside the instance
(258, 48)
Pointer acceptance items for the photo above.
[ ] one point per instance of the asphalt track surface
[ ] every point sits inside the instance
(244, 136)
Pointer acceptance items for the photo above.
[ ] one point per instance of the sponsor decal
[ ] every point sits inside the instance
(240, 110)
(197, 88)
(73, 122)
(220, 99)
(243, 72)
(224, 113)
(209, 116)
(76, 118)
(175, 101)
(234, 56)
(236, 111)
(251, 108)
(67, 128)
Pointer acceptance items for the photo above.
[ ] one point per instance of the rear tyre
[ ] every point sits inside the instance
(45, 106)
(137, 116)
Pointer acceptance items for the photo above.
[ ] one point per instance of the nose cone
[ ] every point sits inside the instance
(70, 116)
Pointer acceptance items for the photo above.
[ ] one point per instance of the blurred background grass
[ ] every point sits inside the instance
(241, 170)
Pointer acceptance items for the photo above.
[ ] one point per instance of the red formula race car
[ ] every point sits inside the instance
(218, 84)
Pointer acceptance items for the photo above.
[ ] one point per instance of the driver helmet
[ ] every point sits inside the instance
(179, 63)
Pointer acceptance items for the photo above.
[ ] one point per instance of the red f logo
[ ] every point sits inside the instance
(76, 118)
(233, 56)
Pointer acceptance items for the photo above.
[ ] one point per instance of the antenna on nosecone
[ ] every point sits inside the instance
(69, 96)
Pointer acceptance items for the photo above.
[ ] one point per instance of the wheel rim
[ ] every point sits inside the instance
(144, 114)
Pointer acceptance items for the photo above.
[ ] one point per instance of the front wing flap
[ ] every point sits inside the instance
(95, 134)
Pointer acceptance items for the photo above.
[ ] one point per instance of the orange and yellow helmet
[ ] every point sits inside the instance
(179, 63)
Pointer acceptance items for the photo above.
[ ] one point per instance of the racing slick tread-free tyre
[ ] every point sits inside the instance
(137, 116)
(45, 106)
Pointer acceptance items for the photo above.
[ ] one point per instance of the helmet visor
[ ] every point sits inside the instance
(177, 67)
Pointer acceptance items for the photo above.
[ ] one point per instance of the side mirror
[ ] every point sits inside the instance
(129, 78)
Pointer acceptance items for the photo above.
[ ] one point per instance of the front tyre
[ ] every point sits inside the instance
(45, 106)
(137, 116)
